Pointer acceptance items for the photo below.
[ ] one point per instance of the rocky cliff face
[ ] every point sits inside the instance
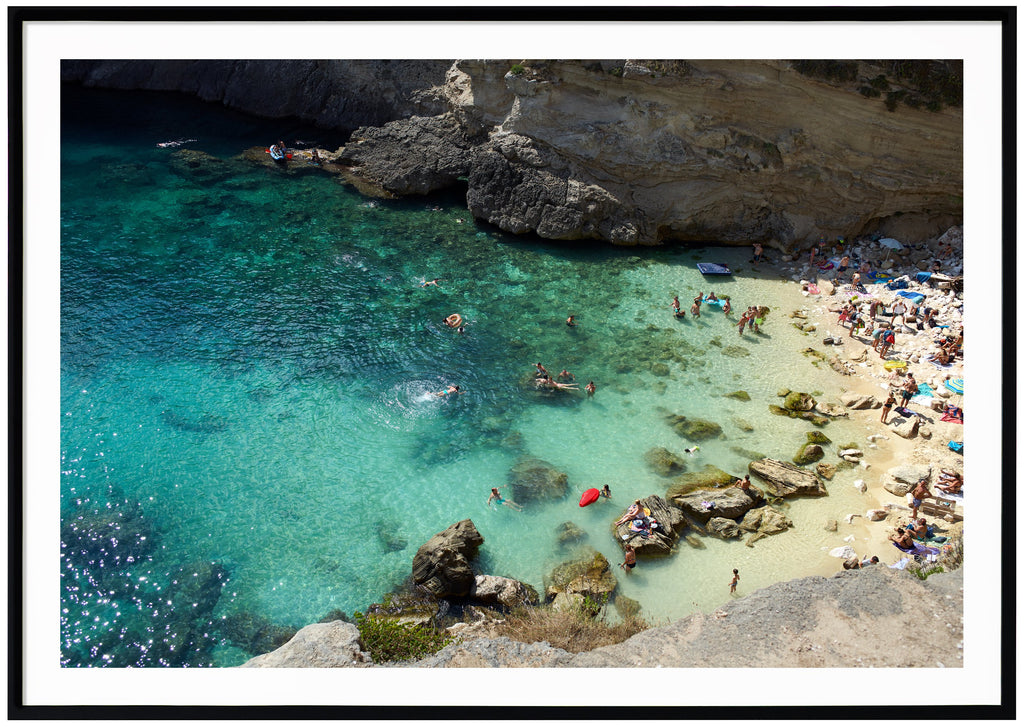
(626, 151)
(875, 617)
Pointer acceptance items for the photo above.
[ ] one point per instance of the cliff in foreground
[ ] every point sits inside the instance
(875, 617)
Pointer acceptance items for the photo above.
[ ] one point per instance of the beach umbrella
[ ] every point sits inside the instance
(957, 387)
(891, 244)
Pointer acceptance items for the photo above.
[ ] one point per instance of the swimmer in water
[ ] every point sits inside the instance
(502, 501)
(564, 375)
(541, 371)
(434, 282)
(692, 450)
(590, 388)
(450, 390)
(570, 321)
(606, 491)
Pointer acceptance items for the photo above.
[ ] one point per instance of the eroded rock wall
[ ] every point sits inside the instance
(624, 151)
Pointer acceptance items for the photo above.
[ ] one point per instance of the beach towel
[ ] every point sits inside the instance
(922, 277)
(897, 284)
(951, 418)
(957, 446)
(938, 365)
(924, 394)
(901, 563)
(928, 552)
(911, 296)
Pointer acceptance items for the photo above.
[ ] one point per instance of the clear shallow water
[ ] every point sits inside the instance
(248, 364)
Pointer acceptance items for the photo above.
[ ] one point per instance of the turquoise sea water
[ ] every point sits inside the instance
(250, 436)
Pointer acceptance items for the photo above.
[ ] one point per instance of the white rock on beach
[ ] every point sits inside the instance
(876, 515)
(860, 485)
(843, 552)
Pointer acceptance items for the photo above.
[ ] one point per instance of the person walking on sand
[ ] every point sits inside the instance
(887, 406)
(888, 339)
(590, 388)
(814, 253)
(734, 581)
(502, 501)
(899, 310)
(629, 561)
(758, 251)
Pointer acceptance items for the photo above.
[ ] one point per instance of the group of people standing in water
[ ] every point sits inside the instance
(753, 317)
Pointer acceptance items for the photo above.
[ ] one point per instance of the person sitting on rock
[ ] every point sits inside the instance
(633, 510)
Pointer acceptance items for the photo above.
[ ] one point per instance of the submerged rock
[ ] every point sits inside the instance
(693, 429)
(709, 477)
(723, 527)
(808, 454)
(825, 470)
(738, 395)
(663, 462)
(569, 532)
(798, 401)
(534, 479)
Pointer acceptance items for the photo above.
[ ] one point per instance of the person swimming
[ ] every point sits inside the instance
(453, 389)
(496, 497)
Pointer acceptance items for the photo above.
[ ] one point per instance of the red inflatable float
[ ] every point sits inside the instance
(590, 496)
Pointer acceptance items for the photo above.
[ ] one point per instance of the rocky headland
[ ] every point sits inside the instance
(627, 151)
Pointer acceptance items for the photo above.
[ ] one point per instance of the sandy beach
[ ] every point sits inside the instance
(869, 376)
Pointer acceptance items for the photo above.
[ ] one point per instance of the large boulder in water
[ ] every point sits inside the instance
(441, 565)
(588, 576)
(730, 502)
(692, 428)
(534, 479)
(709, 477)
(500, 591)
(798, 401)
(809, 454)
(764, 521)
(653, 540)
(783, 479)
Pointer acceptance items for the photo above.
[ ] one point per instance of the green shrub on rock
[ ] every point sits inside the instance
(388, 639)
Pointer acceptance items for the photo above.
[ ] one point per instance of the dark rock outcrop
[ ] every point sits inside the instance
(729, 150)
(441, 565)
(783, 479)
(654, 540)
(730, 502)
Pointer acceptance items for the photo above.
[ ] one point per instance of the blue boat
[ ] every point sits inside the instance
(714, 268)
